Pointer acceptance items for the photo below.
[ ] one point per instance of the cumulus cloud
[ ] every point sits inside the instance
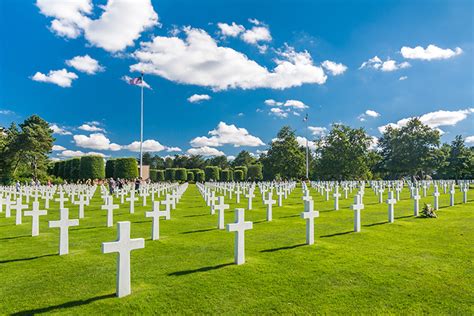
(85, 64)
(431, 52)
(91, 127)
(368, 113)
(59, 130)
(97, 141)
(256, 34)
(205, 151)
(334, 69)
(62, 78)
(434, 119)
(198, 60)
(386, 66)
(173, 149)
(403, 78)
(6, 112)
(302, 142)
(78, 153)
(291, 106)
(195, 98)
(278, 112)
(118, 26)
(149, 145)
(232, 30)
(226, 134)
(317, 131)
(58, 148)
(469, 140)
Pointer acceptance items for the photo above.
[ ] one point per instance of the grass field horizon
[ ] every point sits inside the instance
(414, 265)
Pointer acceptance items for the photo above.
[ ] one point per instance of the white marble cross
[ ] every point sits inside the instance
(61, 200)
(451, 196)
(464, 193)
(280, 194)
(336, 196)
(82, 202)
(416, 199)
(269, 203)
(249, 196)
(132, 200)
(63, 224)
(212, 202)
(436, 198)
(381, 196)
(391, 202)
(309, 214)
(239, 227)
(123, 245)
(220, 207)
(19, 207)
(110, 207)
(35, 213)
(155, 215)
(357, 207)
(237, 194)
(8, 206)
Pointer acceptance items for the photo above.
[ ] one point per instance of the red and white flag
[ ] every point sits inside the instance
(136, 81)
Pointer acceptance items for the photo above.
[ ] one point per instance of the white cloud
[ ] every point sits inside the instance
(149, 145)
(195, 98)
(232, 30)
(257, 34)
(334, 69)
(227, 135)
(291, 104)
(91, 128)
(431, 52)
(230, 158)
(271, 102)
(85, 64)
(469, 140)
(62, 77)
(302, 142)
(59, 130)
(58, 148)
(374, 143)
(372, 113)
(97, 141)
(6, 112)
(434, 119)
(205, 151)
(173, 149)
(278, 112)
(295, 104)
(78, 153)
(119, 25)
(403, 78)
(255, 21)
(198, 60)
(317, 131)
(386, 66)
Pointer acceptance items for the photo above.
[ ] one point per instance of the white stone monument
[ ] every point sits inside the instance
(239, 227)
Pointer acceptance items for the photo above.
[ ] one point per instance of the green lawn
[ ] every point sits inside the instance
(411, 266)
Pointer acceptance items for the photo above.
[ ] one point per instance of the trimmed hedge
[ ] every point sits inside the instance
(55, 171)
(75, 169)
(125, 168)
(190, 176)
(226, 175)
(110, 168)
(255, 172)
(200, 176)
(160, 175)
(244, 170)
(153, 175)
(92, 167)
(181, 174)
(170, 174)
(212, 173)
(238, 175)
(67, 169)
(61, 169)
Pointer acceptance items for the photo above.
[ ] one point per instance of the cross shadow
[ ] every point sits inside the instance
(27, 259)
(204, 269)
(64, 305)
(15, 237)
(199, 231)
(336, 234)
(85, 228)
(195, 215)
(260, 221)
(283, 248)
(290, 216)
(375, 224)
(400, 217)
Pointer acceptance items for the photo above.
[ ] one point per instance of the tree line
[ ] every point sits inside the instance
(344, 153)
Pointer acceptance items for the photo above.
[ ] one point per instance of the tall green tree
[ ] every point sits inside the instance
(285, 158)
(343, 154)
(458, 160)
(410, 150)
(243, 159)
(219, 161)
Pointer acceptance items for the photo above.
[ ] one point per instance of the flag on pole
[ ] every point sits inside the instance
(136, 81)
(305, 117)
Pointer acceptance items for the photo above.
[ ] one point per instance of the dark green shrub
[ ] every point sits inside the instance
(255, 172)
(56, 169)
(67, 169)
(61, 169)
(238, 175)
(125, 168)
(226, 175)
(212, 173)
(190, 176)
(170, 174)
(244, 170)
(153, 175)
(181, 174)
(75, 168)
(110, 168)
(200, 176)
(160, 175)
(92, 167)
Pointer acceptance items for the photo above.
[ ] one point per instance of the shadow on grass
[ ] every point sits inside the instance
(283, 248)
(64, 305)
(197, 215)
(199, 231)
(204, 269)
(15, 237)
(297, 215)
(407, 216)
(28, 259)
(336, 234)
(376, 224)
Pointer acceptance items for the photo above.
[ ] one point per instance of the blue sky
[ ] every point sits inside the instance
(254, 66)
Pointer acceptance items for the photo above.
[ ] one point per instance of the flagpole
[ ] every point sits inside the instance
(141, 130)
(307, 154)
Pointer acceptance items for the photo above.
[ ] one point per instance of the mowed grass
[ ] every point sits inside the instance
(412, 266)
